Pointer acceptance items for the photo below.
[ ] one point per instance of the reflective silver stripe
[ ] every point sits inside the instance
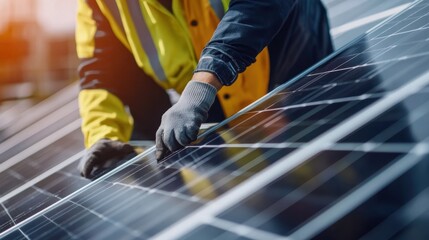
(217, 6)
(146, 39)
(113, 8)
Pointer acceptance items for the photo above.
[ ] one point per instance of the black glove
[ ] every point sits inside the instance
(103, 154)
(181, 123)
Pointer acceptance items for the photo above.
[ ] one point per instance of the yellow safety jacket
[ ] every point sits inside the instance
(166, 46)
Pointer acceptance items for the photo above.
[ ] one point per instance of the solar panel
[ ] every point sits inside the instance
(30, 116)
(340, 152)
(33, 157)
(360, 15)
(42, 133)
(26, 161)
(34, 196)
(35, 174)
(26, 179)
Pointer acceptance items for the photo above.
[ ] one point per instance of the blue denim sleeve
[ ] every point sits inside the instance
(247, 27)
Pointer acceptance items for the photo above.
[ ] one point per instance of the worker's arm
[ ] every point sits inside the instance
(104, 64)
(247, 27)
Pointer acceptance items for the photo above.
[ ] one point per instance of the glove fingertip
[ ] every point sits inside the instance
(87, 168)
(167, 141)
(159, 139)
(193, 135)
(128, 148)
(159, 154)
(87, 173)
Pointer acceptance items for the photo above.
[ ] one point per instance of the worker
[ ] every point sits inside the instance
(220, 55)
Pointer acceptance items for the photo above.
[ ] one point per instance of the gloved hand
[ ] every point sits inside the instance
(181, 123)
(101, 153)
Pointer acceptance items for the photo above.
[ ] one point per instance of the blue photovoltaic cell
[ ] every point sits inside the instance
(42, 193)
(361, 184)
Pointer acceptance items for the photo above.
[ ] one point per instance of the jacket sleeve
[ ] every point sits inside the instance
(103, 64)
(247, 27)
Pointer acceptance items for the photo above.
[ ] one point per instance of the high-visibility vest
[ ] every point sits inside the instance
(167, 45)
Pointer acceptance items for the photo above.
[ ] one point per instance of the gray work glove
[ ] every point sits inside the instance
(181, 123)
(103, 154)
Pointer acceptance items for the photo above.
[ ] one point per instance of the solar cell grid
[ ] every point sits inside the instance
(421, 70)
(39, 130)
(301, 210)
(31, 197)
(27, 117)
(369, 13)
(290, 122)
(41, 161)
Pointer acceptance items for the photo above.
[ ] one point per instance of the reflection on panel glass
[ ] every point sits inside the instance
(299, 195)
(39, 162)
(36, 133)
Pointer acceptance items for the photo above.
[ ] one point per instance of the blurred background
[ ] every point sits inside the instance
(37, 49)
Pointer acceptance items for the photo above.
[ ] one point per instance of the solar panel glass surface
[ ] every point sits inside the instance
(31, 157)
(145, 198)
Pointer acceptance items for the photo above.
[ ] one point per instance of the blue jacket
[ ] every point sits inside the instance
(247, 27)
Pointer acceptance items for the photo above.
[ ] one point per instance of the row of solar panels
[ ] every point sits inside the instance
(32, 185)
(66, 114)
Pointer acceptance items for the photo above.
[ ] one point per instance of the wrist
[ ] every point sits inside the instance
(209, 78)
